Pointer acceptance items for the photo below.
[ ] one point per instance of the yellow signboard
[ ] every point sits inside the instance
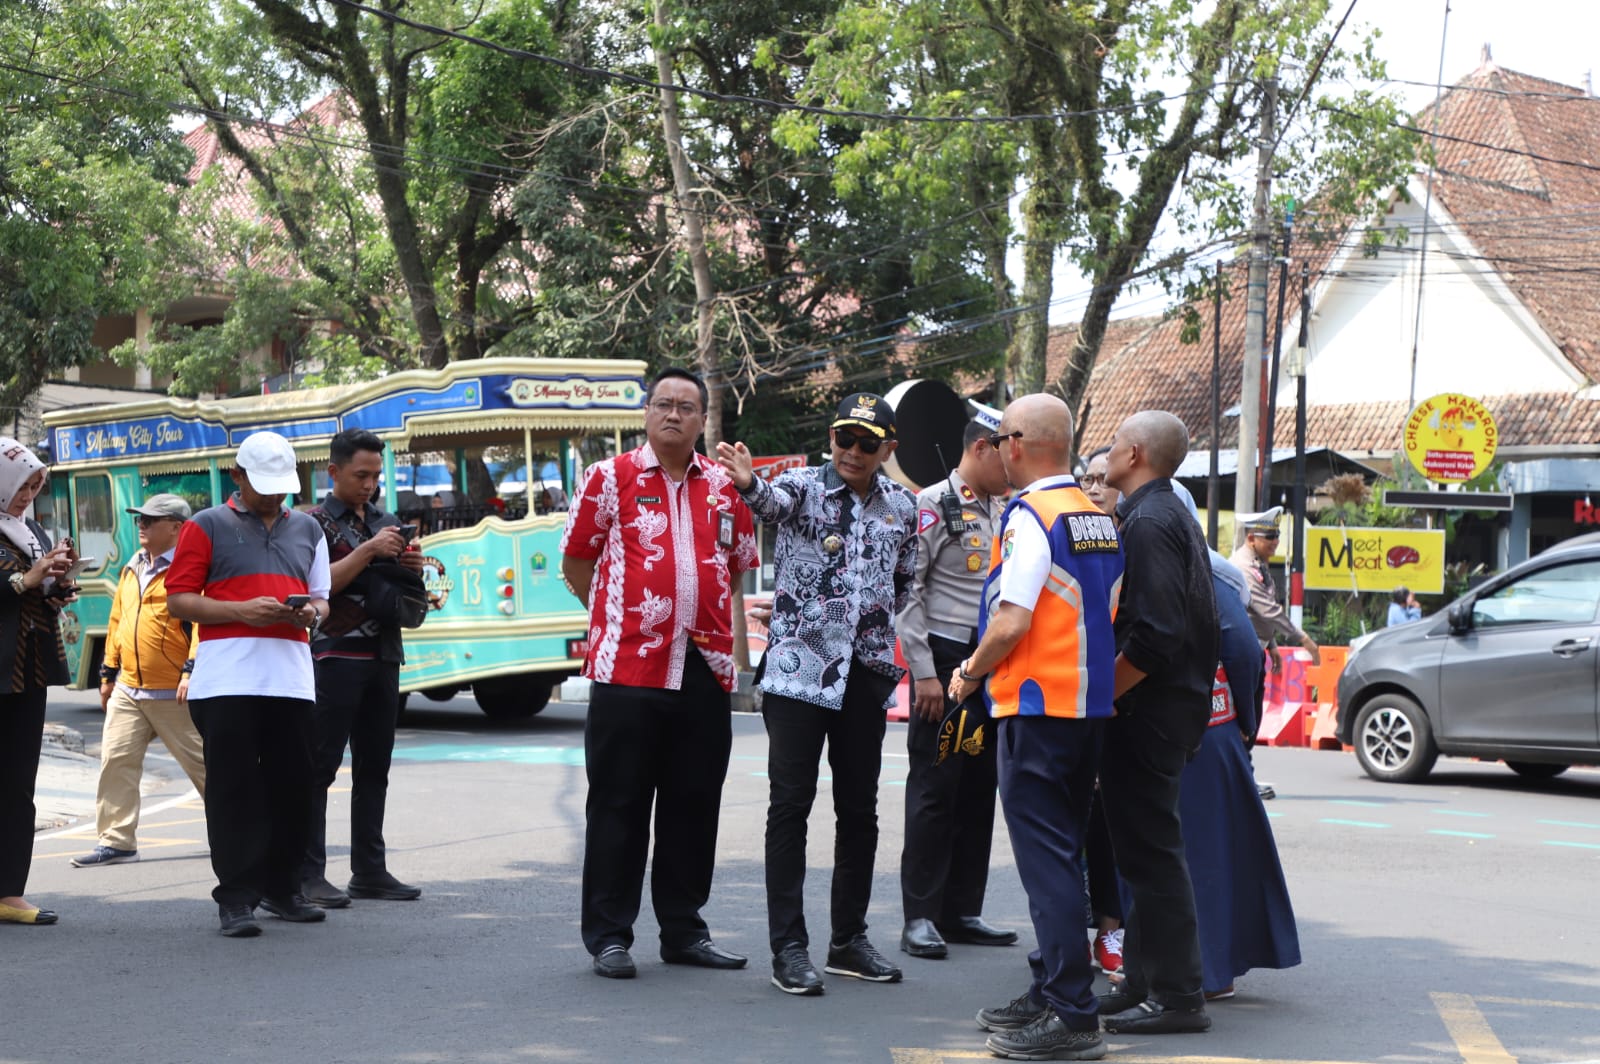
(1451, 438)
(1375, 559)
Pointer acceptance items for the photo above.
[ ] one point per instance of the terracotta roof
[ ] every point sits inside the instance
(1537, 221)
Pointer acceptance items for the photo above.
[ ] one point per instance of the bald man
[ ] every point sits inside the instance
(1167, 639)
(1046, 645)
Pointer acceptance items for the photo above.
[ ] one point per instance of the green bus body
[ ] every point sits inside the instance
(502, 621)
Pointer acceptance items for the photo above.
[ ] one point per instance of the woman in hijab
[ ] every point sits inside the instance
(32, 590)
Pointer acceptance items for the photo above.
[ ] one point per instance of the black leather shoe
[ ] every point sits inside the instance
(1118, 1001)
(294, 909)
(613, 962)
(974, 931)
(703, 954)
(382, 888)
(793, 974)
(325, 895)
(859, 959)
(238, 921)
(1151, 1017)
(921, 939)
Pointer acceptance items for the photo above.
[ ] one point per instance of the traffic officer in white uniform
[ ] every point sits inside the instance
(1267, 614)
(950, 789)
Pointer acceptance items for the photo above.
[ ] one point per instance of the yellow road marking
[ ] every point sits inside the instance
(1474, 1040)
(1539, 1003)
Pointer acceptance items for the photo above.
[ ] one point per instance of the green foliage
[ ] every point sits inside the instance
(84, 201)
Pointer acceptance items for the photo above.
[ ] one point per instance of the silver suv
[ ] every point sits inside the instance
(1506, 673)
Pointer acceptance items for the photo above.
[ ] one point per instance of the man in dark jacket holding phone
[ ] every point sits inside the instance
(357, 658)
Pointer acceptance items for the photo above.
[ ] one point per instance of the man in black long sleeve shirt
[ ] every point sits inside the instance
(1167, 636)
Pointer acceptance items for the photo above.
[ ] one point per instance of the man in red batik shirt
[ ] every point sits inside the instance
(654, 542)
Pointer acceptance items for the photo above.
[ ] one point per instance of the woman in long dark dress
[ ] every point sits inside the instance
(1241, 900)
(31, 660)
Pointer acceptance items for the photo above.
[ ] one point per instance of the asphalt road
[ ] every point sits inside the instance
(1450, 921)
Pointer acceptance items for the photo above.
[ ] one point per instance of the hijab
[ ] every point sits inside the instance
(17, 464)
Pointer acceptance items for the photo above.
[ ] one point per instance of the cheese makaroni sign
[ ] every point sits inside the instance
(1451, 438)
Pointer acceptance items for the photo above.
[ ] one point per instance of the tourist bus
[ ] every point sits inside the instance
(502, 622)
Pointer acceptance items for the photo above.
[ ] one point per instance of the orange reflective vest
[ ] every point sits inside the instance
(1063, 666)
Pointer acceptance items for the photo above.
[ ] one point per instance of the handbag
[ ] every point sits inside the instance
(391, 594)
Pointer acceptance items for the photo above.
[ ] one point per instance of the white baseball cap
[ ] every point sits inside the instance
(268, 463)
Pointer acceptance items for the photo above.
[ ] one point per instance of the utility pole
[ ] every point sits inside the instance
(1255, 315)
(1297, 571)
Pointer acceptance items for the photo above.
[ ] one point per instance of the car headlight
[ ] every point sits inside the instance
(1355, 646)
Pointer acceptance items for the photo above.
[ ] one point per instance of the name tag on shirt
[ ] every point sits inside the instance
(1091, 534)
(725, 529)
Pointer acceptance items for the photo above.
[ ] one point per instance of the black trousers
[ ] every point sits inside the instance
(21, 733)
(795, 734)
(358, 702)
(1047, 769)
(1105, 892)
(645, 746)
(258, 793)
(944, 868)
(1140, 774)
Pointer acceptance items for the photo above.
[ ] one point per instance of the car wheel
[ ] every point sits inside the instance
(1394, 741)
(513, 697)
(1536, 770)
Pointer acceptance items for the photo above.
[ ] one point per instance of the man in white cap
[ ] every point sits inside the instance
(144, 684)
(1272, 624)
(1267, 615)
(253, 574)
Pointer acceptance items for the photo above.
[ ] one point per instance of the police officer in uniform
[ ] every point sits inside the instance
(950, 789)
(1267, 615)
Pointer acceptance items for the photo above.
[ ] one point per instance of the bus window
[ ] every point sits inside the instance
(49, 504)
(195, 488)
(96, 523)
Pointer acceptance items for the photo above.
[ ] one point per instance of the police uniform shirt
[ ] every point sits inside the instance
(1267, 615)
(946, 593)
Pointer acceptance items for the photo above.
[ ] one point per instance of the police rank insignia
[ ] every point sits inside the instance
(967, 493)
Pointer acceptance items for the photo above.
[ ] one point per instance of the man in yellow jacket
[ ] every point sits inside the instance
(144, 684)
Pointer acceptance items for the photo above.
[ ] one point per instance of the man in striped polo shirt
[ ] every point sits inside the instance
(253, 574)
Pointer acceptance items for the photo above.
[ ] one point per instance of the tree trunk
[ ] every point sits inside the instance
(689, 208)
(1029, 343)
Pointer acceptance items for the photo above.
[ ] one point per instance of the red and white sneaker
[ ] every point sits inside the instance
(1108, 951)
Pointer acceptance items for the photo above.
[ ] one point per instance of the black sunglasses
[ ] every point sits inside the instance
(145, 521)
(847, 440)
(997, 438)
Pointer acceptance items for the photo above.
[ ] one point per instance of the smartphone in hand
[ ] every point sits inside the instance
(295, 602)
(409, 532)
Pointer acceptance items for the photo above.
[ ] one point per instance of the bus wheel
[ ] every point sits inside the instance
(513, 697)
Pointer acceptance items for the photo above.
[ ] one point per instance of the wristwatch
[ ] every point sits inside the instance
(19, 583)
(965, 675)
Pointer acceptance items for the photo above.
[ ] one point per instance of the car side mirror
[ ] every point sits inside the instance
(1460, 617)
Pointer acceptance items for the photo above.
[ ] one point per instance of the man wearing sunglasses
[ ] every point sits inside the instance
(1254, 556)
(950, 785)
(1267, 615)
(845, 557)
(144, 684)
